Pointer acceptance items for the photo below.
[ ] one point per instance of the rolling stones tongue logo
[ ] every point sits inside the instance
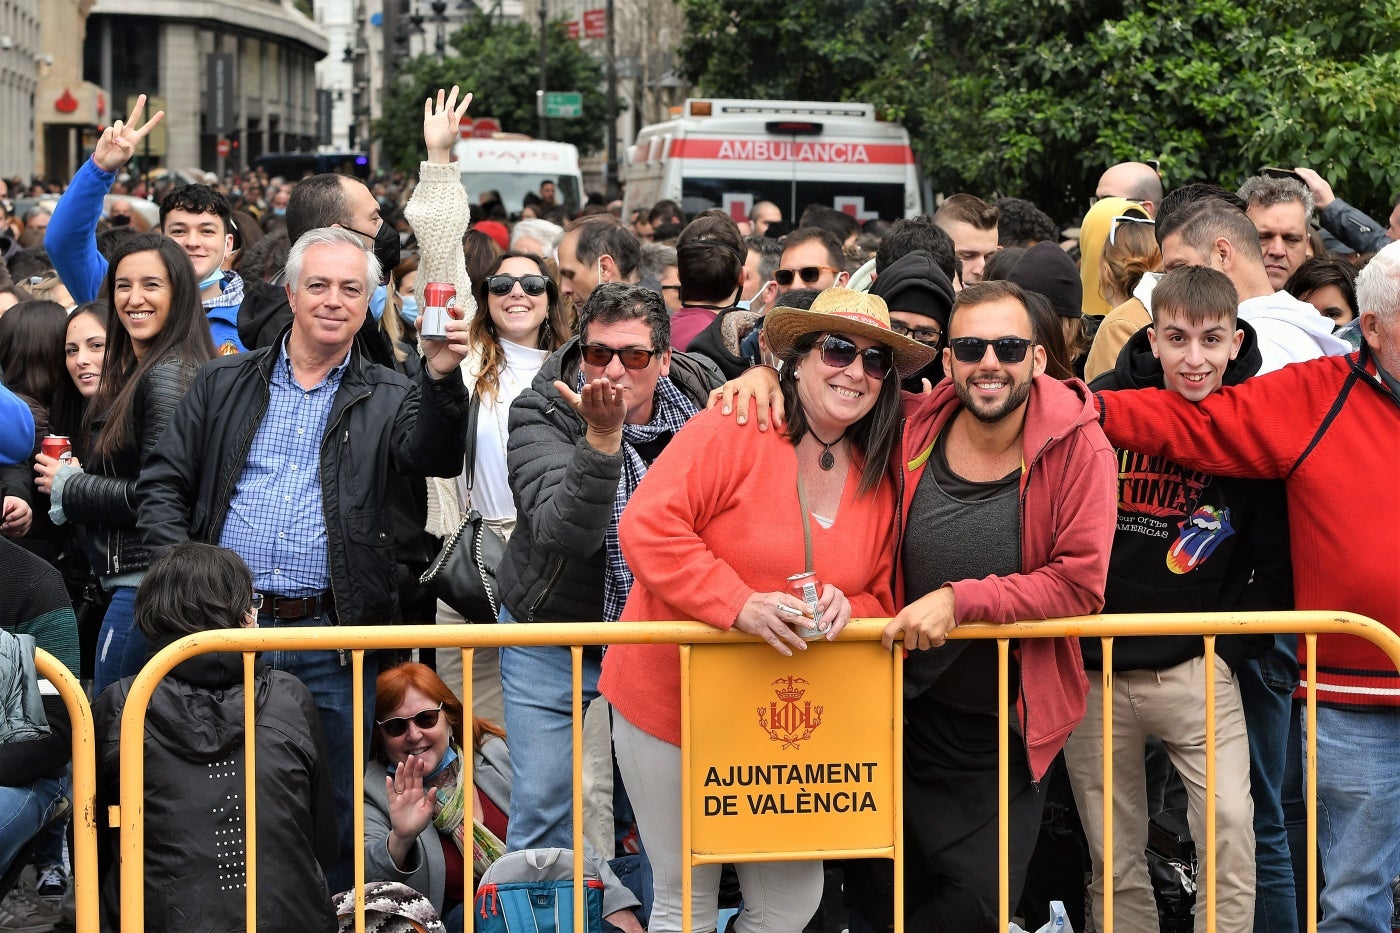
(1199, 536)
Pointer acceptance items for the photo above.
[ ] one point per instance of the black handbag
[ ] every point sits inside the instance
(463, 574)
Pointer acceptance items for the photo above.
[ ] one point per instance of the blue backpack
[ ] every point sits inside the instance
(532, 891)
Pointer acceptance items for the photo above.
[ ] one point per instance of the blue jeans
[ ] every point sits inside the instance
(331, 687)
(538, 688)
(121, 648)
(1358, 816)
(1266, 689)
(24, 811)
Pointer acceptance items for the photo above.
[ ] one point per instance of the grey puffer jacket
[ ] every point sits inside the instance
(564, 490)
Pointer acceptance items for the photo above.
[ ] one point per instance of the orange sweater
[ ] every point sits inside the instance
(715, 520)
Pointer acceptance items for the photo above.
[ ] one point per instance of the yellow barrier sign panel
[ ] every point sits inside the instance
(792, 754)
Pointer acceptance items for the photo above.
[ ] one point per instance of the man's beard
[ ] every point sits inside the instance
(1020, 391)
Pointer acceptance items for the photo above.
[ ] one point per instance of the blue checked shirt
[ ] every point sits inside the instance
(275, 520)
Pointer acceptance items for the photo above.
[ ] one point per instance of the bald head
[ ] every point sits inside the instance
(1136, 181)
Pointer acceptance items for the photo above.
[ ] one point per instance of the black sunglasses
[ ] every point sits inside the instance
(1007, 349)
(809, 274)
(595, 354)
(501, 284)
(397, 726)
(925, 335)
(839, 352)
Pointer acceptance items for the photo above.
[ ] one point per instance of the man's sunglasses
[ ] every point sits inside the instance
(839, 352)
(595, 354)
(502, 284)
(972, 349)
(809, 274)
(397, 726)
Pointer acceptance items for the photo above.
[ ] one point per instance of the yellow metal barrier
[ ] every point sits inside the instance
(84, 790)
(362, 638)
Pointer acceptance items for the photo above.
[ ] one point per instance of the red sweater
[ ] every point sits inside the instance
(1330, 429)
(1068, 512)
(715, 520)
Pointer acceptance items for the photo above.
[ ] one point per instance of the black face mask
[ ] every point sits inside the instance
(386, 248)
(120, 220)
(933, 372)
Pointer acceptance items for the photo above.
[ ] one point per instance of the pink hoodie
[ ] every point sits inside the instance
(1068, 511)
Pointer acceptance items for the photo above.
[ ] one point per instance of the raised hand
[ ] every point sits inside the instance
(410, 807)
(603, 408)
(441, 121)
(119, 141)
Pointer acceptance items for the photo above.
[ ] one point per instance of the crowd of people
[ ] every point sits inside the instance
(1188, 403)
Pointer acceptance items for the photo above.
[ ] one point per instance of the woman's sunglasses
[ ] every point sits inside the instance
(595, 354)
(1121, 219)
(809, 274)
(972, 349)
(502, 284)
(397, 726)
(839, 353)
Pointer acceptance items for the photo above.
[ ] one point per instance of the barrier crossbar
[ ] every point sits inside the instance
(358, 639)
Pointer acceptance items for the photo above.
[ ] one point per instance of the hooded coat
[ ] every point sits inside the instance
(915, 284)
(194, 827)
(1187, 541)
(1066, 496)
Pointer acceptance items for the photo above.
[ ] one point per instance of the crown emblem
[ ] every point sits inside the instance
(790, 720)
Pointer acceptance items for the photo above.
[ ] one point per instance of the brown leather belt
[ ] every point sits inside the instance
(287, 608)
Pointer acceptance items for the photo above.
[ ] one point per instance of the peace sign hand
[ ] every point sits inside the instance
(441, 122)
(119, 141)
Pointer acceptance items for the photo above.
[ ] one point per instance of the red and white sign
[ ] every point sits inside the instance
(737, 206)
(766, 150)
(855, 206)
(572, 26)
(478, 128)
(595, 24)
(222, 147)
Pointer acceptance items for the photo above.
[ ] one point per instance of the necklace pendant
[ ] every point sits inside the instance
(827, 459)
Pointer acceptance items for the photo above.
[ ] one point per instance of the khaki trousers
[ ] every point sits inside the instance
(1169, 704)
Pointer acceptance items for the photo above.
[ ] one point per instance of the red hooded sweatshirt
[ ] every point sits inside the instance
(1068, 511)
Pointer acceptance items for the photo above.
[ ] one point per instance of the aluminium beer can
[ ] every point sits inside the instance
(806, 587)
(440, 306)
(58, 446)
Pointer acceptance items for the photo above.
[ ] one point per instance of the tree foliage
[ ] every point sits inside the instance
(499, 63)
(1034, 98)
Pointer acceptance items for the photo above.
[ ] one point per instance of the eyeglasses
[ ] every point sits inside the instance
(1094, 199)
(809, 274)
(1007, 349)
(502, 284)
(839, 352)
(925, 335)
(595, 354)
(666, 288)
(397, 726)
(1121, 219)
(257, 601)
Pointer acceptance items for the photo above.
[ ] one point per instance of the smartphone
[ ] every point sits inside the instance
(1270, 171)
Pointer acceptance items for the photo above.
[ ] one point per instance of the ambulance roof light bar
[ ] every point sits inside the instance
(792, 109)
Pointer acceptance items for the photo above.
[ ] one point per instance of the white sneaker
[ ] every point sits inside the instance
(24, 912)
(50, 882)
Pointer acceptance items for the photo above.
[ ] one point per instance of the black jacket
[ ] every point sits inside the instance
(103, 497)
(564, 491)
(1187, 541)
(377, 430)
(194, 828)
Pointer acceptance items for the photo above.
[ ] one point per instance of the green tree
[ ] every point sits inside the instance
(1034, 98)
(499, 63)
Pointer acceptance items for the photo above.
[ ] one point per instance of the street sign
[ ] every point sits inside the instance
(572, 26)
(562, 104)
(595, 24)
(222, 148)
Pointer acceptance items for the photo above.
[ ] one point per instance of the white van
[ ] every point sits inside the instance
(732, 153)
(515, 165)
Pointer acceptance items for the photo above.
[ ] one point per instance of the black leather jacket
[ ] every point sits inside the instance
(103, 497)
(564, 489)
(377, 430)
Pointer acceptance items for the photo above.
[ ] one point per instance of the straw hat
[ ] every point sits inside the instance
(846, 311)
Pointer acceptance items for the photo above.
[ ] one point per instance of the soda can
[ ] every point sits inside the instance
(440, 301)
(806, 588)
(57, 446)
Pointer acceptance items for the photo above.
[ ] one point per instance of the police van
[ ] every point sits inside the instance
(732, 153)
(514, 165)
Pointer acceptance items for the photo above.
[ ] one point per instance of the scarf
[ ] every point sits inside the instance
(449, 813)
(670, 410)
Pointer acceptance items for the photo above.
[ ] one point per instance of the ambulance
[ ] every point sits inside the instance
(731, 154)
(514, 165)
